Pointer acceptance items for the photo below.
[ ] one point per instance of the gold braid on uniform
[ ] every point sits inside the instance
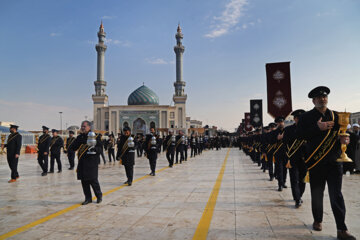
(11, 137)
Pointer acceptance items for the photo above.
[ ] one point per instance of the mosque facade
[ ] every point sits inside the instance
(143, 109)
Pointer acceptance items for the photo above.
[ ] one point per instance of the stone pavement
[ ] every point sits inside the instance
(167, 206)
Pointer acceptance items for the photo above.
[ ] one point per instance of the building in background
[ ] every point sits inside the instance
(355, 118)
(143, 109)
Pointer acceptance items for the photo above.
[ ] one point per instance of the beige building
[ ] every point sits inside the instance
(143, 109)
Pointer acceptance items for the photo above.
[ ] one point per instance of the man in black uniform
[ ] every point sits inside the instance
(55, 150)
(69, 151)
(87, 168)
(270, 150)
(186, 146)
(180, 142)
(126, 152)
(13, 146)
(279, 153)
(169, 147)
(43, 150)
(193, 146)
(295, 153)
(320, 128)
(151, 150)
(111, 146)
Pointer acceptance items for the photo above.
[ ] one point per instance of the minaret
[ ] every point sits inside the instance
(179, 96)
(100, 98)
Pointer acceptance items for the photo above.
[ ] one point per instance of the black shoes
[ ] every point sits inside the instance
(345, 235)
(50, 171)
(152, 174)
(71, 168)
(317, 226)
(280, 188)
(298, 203)
(129, 183)
(59, 171)
(284, 186)
(86, 202)
(44, 174)
(271, 178)
(99, 200)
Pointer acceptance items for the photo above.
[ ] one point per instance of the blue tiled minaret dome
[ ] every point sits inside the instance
(143, 96)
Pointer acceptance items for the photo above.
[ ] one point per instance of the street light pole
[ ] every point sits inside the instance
(61, 122)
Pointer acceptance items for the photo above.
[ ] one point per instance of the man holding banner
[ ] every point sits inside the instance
(320, 128)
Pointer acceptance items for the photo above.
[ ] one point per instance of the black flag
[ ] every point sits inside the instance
(256, 113)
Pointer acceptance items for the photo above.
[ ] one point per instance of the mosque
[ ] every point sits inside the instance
(143, 109)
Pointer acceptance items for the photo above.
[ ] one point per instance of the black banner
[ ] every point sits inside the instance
(256, 115)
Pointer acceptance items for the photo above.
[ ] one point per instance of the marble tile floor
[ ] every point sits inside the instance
(167, 206)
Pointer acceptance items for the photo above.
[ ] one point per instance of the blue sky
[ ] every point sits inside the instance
(48, 57)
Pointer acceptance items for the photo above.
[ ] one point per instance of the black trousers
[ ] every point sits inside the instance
(193, 151)
(13, 164)
(71, 157)
(102, 155)
(186, 153)
(43, 161)
(181, 156)
(270, 165)
(332, 175)
(297, 175)
(129, 170)
(94, 183)
(281, 171)
(139, 151)
(170, 157)
(152, 162)
(111, 152)
(52, 162)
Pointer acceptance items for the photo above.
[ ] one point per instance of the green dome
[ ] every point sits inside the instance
(143, 96)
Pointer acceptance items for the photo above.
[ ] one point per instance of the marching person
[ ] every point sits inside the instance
(111, 146)
(151, 150)
(55, 150)
(279, 153)
(69, 151)
(193, 145)
(179, 147)
(320, 128)
(102, 150)
(126, 154)
(169, 147)
(88, 159)
(295, 152)
(43, 150)
(13, 147)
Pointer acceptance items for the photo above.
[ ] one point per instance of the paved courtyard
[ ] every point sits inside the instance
(217, 195)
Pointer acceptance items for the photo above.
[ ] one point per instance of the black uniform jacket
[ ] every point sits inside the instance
(126, 154)
(44, 143)
(13, 145)
(294, 146)
(87, 168)
(179, 144)
(56, 144)
(168, 144)
(69, 142)
(151, 151)
(308, 129)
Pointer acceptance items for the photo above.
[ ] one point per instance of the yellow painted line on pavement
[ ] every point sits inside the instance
(61, 212)
(204, 224)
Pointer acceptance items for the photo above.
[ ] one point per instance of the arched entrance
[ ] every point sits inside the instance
(139, 126)
(152, 125)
